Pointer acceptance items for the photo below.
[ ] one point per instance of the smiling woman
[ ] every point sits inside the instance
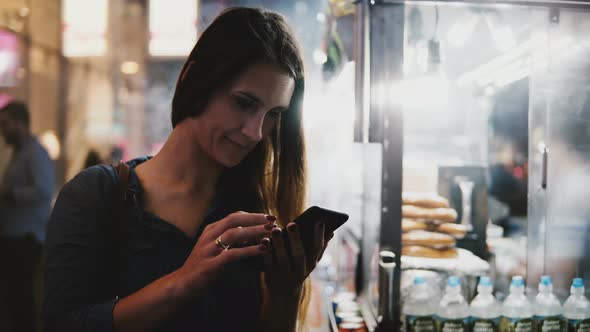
(236, 119)
(190, 257)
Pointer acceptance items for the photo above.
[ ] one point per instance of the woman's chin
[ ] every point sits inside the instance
(229, 161)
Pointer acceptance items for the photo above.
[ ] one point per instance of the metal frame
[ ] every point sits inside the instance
(544, 3)
(387, 31)
(383, 123)
(362, 54)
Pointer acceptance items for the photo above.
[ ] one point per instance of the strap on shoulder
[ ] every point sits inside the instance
(123, 172)
(119, 226)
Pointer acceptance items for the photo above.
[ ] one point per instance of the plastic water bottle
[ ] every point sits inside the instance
(517, 314)
(576, 308)
(419, 308)
(453, 312)
(485, 309)
(547, 309)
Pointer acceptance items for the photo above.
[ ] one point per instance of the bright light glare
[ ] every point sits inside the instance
(422, 92)
(416, 59)
(516, 64)
(332, 106)
(84, 27)
(129, 67)
(173, 30)
(460, 32)
(484, 73)
(501, 32)
(504, 38)
(319, 57)
(51, 143)
(321, 17)
(5, 61)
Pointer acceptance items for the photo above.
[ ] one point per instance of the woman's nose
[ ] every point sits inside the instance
(253, 127)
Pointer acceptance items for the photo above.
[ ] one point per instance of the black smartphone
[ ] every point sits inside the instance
(307, 221)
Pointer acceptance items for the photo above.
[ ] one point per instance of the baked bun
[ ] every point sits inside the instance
(458, 231)
(421, 251)
(429, 239)
(427, 200)
(409, 225)
(441, 214)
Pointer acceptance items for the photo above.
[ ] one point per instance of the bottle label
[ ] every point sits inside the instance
(485, 324)
(578, 325)
(419, 323)
(517, 324)
(451, 325)
(548, 323)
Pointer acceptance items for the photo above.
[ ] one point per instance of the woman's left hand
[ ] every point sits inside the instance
(284, 272)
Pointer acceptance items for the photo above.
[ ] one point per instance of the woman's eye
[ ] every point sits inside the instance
(245, 104)
(275, 113)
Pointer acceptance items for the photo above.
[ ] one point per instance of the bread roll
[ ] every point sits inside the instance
(420, 251)
(427, 200)
(458, 231)
(409, 225)
(429, 239)
(442, 214)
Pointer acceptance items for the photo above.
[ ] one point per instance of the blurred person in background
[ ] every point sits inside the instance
(25, 202)
(189, 258)
(92, 159)
(116, 155)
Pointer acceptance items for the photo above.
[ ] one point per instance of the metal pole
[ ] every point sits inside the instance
(386, 126)
(362, 54)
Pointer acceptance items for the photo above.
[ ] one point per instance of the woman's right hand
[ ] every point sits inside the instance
(243, 233)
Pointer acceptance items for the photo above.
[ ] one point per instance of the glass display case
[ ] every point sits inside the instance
(559, 149)
(487, 105)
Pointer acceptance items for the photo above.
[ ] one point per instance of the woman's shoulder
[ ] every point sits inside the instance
(81, 208)
(97, 182)
(99, 179)
(89, 193)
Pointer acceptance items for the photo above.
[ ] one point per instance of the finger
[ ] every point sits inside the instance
(236, 254)
(238, 219)
(278, 246)
(218, 222)
(296, 247)
(241, 236)
(268, 254)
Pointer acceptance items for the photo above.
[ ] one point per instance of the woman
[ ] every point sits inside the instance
(189, 259)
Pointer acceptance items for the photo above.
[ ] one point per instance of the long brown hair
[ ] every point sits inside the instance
(272, 177)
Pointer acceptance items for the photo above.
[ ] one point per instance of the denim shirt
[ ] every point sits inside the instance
(30, 180)
(80, 294)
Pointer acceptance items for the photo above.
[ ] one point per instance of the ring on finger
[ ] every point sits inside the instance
(219, 242)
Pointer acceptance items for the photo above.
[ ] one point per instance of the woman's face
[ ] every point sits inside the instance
(239, 117)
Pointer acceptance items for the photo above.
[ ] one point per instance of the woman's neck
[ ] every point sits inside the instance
(184, 165)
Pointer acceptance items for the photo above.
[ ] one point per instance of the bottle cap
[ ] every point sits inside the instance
(517, 281)
(578, 283)
(546, 280)
(454, 282)
(485, 281)
(419, 280)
